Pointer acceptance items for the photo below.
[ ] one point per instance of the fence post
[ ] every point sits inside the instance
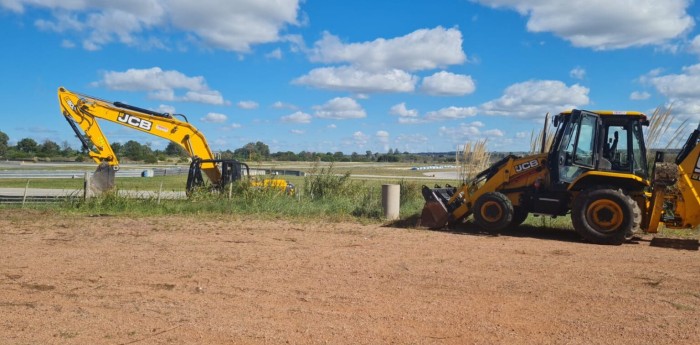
(160, 190)
(391, 197)
(86, 186)
(24, 198)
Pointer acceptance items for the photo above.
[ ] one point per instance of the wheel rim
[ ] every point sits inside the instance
(491, 211)
(605, 215)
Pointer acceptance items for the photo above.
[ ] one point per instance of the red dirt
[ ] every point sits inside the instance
(187, 280)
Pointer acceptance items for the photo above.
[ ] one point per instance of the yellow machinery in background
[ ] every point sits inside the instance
(596, 169)
(82, 113)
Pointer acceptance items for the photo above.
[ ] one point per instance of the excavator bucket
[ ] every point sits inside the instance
(102, 179)
(435, 214)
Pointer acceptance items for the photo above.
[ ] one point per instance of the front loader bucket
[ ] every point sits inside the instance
(435, 214)
(102, 179)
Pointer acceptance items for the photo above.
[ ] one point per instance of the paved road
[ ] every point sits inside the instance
(79, 193)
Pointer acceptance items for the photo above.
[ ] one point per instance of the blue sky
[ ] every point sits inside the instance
(348, 76)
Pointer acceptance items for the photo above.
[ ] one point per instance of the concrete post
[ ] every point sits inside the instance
(391, 197)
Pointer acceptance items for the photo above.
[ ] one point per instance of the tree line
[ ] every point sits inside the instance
(28, 149)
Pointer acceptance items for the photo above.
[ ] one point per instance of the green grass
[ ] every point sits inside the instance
(54, 183)
(321, 195)
(329, 192)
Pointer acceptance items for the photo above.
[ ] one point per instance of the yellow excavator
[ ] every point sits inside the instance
(82, 113)
(595, 170)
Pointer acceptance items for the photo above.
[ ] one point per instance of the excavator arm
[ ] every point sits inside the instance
(82, 113)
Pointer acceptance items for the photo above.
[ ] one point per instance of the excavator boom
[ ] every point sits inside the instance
(83, 112)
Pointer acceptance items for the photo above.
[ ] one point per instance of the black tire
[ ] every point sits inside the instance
(519, 216)
(493, 211)
(636, 219)
(605, 216)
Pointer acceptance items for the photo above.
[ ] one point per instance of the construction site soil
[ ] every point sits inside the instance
(232, 280)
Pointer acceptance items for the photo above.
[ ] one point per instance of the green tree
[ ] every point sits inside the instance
(4, 139)
(135, 151)
(262, 149)
(176, 150)
(27, 145)
(49, 149)
(258, 150)
(118, 149)
(66, 149)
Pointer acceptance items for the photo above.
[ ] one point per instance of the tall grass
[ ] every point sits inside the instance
(473, 159)
(660, 126)
(323, 195)
(547, 132)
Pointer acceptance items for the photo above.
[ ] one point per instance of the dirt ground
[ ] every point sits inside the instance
(189, 280)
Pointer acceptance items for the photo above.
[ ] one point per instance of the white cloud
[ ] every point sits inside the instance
(247, 105)
(411, 120)
(469, 132)
(604, 24)
(639, 95)
(340, 108)
(347, 78)
(448, 84)
(282, 105)
(164, 108)
(414, 142)
(161, 85)
(214, 118)
(682, 90)
(229, 25)
(493, 133)
(420, 50)
(231, 126)
(297, 117)
(401, 111)
(451, 113)
(67, 44)
(577, 73)
(360, 139)
(384, 65)
(275, 54)
(296, 131)
(534, 98)
(332, 126)
(204, 96)
(694, 46)
(382, 138)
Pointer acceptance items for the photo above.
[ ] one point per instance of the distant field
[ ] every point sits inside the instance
(373, 173)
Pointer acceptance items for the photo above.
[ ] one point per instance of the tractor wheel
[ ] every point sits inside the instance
(519, 215)
(493, 211)
(605, 216)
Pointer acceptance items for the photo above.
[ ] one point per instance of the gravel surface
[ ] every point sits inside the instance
(229, 280)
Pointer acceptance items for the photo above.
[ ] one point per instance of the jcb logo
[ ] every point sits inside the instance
(527, 165)
(135, 121)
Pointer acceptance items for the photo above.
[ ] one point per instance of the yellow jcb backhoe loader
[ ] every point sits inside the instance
(82, 113)
(596, 170)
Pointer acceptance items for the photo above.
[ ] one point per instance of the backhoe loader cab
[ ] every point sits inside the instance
(595, 169)
(597, 147)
